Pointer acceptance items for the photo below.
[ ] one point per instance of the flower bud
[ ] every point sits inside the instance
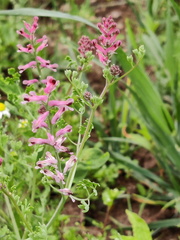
(115, 70)
(87, 96)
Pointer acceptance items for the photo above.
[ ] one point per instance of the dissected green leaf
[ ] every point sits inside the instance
(109, 195)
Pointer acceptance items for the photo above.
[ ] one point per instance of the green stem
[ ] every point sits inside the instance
(16, 230)
(5, 217)
(8, 194)
(58, 209)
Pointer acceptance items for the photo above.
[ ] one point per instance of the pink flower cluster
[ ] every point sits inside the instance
(106, 44)
(85, 45)
(50, 84)
(35, 46)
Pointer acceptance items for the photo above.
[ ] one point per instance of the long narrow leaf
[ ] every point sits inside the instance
(45, 13)
(144, 172)
(156, 116)
(174, 222)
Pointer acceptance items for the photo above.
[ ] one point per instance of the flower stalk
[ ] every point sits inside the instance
(51, 110)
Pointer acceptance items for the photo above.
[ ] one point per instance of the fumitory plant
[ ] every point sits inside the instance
(51, 113)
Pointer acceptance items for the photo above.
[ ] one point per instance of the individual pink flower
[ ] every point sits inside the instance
(42, 60)
(48, 173)
(59, 177)
(49, 161)
(106, 45)
(85, 45)
(39, 40)
(44, 43)
(58, 145)
(24, 34)
(50, 140)
(64, 130)
(31, 64)
(32, 97)
(57, 103)
(28, 49)
(29, 82)
(57, 115)
(1, 161)
(51, 84)
(46, 64)
(39, 123)
(67, 192)
(72, 160)
(62, 105)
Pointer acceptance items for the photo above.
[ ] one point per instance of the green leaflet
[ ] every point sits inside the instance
(140, 228)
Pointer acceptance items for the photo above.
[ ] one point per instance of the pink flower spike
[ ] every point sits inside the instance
(24, 34)
(32, 97)
(31, 64)
(106, 45)
(59, 177)
(51, 84)
(39, 123)
(64, 130)
(29, 82)
(28, 49)
(72, 160)
(49, 161)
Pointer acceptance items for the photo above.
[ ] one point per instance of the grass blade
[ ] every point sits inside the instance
(156, 116)
(45, 13)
